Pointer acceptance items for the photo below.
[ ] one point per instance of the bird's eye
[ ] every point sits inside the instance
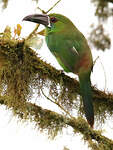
(53, 19)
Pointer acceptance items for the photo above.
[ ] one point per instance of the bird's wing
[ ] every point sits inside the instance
(67, 56)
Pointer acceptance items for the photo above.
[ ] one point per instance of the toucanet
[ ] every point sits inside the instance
(71, 50)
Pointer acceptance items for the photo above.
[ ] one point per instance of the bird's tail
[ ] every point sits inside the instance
(86, 92)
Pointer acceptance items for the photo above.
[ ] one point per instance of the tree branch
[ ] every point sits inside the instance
(39, 74)
(22, 70)
(109, 1)
(47, 119)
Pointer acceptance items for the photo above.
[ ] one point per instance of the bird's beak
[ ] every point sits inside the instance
(38, 18)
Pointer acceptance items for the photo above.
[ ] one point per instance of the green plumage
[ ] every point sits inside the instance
(71, 50)
(85, 87)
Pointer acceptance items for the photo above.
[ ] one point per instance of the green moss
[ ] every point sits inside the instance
(22, 71)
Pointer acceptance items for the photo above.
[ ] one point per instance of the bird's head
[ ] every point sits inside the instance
(52, 21)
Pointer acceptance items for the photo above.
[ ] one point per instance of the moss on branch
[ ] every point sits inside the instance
(53, 122)
(22, 71)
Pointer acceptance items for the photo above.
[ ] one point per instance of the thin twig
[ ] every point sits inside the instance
(53, 6)
(95, 60)
(33, 32)
(57, 104)
(104, 75)
(37, 26)
(44, 12)
(103, 70)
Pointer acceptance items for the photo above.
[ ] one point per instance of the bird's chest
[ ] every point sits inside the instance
(54, 42)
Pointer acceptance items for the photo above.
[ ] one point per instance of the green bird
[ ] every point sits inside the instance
(71, 50)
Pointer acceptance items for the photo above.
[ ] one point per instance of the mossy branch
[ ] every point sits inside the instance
(22, 70)
(21, 66)
(53, 122)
